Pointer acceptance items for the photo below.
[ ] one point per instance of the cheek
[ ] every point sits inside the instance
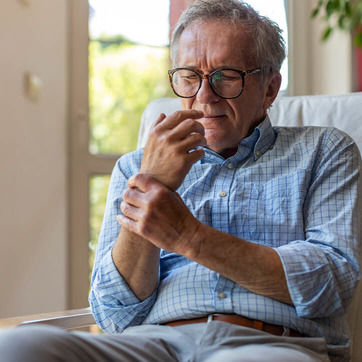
(186, 103)
(235, 111)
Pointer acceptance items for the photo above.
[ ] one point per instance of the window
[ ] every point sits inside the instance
(128, 58)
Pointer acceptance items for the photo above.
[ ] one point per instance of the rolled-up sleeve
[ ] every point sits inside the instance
(322, 271)
(113, 303)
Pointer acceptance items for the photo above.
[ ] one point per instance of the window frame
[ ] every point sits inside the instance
(82, 164)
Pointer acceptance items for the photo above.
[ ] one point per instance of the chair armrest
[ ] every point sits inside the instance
(69, 319)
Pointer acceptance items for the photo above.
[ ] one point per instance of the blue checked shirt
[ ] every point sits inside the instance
(292, 189)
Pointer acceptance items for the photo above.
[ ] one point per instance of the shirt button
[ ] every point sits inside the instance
(222, 194)
(222, 295)
(230, 165)
(257, 153)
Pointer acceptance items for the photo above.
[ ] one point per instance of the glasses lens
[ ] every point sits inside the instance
(227, 83)
(185, 82)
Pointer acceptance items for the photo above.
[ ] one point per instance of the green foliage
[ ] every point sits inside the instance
(98, 187)
(340, 14)
(124, 78)
(118, 39)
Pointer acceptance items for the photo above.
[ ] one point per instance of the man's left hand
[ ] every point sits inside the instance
(159, 215)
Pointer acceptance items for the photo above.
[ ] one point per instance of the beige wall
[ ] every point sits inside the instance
(33, 157)
(317, 67)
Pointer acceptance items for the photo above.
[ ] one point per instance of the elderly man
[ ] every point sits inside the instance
(225, 238)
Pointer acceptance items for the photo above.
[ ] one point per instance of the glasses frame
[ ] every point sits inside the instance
(202, 76)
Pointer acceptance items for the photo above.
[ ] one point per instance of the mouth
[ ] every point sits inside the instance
(211, 116)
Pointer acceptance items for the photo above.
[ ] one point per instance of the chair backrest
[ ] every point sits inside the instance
(341, 111)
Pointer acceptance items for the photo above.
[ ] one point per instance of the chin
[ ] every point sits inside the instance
(215, 140)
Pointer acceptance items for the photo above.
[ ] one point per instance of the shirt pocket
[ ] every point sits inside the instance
(272, 212)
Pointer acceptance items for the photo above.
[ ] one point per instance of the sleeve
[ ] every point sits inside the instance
(322, 271)
(113, 304)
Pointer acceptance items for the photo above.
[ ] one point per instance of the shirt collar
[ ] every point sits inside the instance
(258, 143)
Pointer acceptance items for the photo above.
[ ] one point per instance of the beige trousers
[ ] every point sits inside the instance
(208, 342)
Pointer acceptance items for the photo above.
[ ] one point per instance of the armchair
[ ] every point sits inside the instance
(341, 111)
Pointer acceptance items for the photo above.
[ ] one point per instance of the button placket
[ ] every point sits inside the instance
(223, 292)
(222, 186)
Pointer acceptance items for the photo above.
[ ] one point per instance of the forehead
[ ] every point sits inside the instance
(212, 44)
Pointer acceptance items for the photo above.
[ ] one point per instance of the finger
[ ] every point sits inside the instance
(193, 141)
(143, 182)
(126, 222)
(133, 196)
(179, 116)
(160, 118)
(130, 211)
(186, 128)
(196, 155)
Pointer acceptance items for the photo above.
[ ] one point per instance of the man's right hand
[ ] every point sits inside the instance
(167, 156)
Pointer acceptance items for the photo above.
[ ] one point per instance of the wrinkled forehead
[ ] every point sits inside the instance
(217, 42)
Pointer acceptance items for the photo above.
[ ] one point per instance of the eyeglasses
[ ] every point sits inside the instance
(226, 83)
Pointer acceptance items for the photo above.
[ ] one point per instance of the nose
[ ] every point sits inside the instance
(206, 95)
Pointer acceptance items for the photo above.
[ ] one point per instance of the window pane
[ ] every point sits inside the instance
(98, 187)
(128, 62)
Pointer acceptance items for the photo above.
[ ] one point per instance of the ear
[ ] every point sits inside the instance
(272, 89)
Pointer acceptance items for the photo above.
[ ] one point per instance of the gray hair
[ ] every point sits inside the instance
(269, 46)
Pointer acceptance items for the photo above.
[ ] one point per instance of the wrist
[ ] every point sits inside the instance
(196, 239)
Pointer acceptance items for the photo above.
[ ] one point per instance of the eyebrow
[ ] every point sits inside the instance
(219, 68)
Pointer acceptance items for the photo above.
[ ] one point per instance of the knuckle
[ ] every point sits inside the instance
(189, 123)
(154, 132)
(200, 128)
(198, 137)
(138, 178)
(158, 195)
(125, 208)
(146, 180)
(163, 138)
(131, 180)
(158, 135)
(161, 193)
(178, 114)
(126, 194)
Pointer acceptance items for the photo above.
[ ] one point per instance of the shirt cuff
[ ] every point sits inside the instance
(310, 279)
(113, 303)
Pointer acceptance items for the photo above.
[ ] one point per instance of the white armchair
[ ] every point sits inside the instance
(341, 111)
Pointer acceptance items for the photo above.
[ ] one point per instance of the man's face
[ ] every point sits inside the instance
(206, 46)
